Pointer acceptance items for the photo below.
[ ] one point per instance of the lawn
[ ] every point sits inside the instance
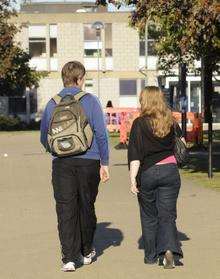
(201, 179)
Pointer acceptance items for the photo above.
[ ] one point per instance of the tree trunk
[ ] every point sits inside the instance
(207, 91)
(28, 107)
(183, 98)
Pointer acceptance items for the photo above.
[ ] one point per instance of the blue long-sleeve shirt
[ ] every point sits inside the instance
(99, 149)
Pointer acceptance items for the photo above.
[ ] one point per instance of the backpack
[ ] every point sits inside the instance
(69, 131)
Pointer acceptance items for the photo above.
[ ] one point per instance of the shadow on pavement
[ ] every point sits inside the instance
(106, 237)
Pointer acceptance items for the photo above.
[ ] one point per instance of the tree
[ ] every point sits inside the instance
(189, 31)
(15, 73)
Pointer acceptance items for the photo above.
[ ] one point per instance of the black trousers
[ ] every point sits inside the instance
(75, 184)
(157, 198)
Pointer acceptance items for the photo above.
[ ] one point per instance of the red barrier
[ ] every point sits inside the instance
(194, 126)
(121, 119)
(115, 117)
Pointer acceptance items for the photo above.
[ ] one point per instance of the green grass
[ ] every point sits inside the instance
(216, 136)
(201, 179)
(197, 169)
(113, 139)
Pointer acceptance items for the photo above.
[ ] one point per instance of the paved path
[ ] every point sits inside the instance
(28, 237)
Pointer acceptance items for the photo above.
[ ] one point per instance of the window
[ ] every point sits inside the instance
(4, 105)
(142, 47)
(53, 47)
(175, 98)
(37, 40)
(216, 102)
(37, 47)
(33, 102)
(153, 34)
(108, 39)
(91, 52)
(91, 43)
(150, 48)
(53, 40)
(195, 96)
(128, 87)
(89, 33)
(89, 86)
(17, 105)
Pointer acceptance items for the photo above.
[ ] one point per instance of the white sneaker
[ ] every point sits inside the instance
(68, 267)
(88, 259)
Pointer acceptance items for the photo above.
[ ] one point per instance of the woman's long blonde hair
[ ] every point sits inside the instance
(153, 105)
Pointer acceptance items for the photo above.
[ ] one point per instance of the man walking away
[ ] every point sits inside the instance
(80, 161)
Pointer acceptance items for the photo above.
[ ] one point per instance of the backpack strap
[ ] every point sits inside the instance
(80, 95)
(57, 99)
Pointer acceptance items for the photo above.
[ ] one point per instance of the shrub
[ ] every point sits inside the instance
(33, 125)
(10, 123)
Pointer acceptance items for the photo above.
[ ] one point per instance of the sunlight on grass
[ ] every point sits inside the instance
(201, 178)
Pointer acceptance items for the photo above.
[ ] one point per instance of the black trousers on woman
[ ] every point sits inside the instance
(75, 183)
(157, 198)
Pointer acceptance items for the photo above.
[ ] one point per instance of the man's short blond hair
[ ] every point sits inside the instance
(72, 72)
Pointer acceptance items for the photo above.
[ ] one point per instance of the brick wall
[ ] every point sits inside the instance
(47, 89)
(109, 90)
(22, 38)
(70, 43)
(125, 42)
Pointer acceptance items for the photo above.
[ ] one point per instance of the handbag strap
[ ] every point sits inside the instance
(175, 127)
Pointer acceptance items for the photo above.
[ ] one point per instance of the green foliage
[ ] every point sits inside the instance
(15, 73)
(188, 29)
(9, 123)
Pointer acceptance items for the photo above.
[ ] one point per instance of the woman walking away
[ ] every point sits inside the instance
(155, 177)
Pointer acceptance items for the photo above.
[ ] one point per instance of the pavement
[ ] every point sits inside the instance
(29, 246)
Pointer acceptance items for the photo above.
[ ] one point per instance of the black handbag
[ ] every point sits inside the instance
(180, 149)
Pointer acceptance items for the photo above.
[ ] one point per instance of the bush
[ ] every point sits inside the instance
(33, 125)
(10, 123)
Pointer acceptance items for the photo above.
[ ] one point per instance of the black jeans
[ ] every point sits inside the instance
(157, 198)
(75, 183)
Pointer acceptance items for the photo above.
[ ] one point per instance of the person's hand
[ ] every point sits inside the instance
(134, 188)
(104, 173)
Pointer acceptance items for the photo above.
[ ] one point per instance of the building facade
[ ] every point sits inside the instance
(55, 33)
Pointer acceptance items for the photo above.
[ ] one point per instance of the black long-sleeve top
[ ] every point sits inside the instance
(147, 147)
